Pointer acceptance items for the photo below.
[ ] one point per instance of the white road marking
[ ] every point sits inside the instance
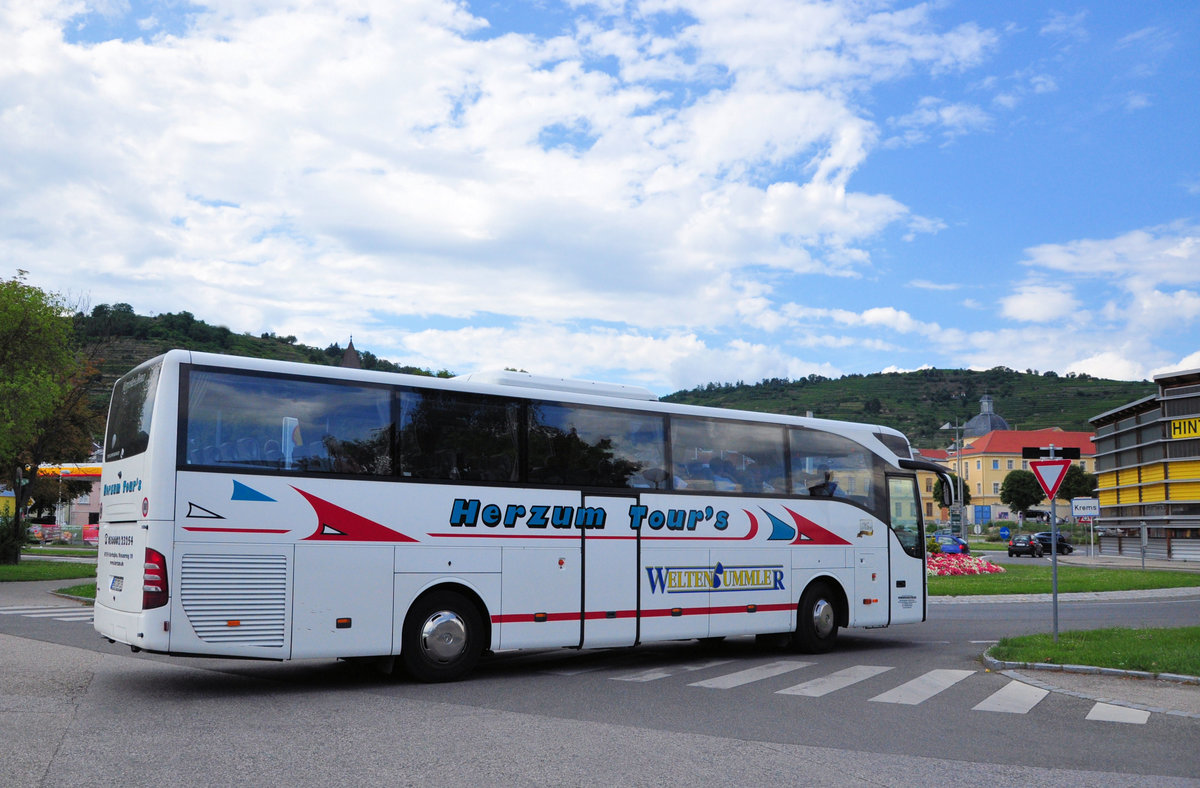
(1016, 697)
(1107, 712)
(731, 680)
(653, 674)
(834, 681)
(923, 687)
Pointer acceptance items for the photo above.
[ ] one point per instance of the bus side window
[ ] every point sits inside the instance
(447, 435)
(583, 446)
(727, 456)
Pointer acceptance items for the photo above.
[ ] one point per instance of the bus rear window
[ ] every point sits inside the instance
(130, 411)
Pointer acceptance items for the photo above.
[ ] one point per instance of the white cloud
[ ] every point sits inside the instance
(924, 284)
(935, 115)
(1164, 255)
(664, 364)
(1111, 365)
(1036, 303)
(1066, 26)
(1188, 362)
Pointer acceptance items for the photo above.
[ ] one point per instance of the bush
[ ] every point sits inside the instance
(10, 541)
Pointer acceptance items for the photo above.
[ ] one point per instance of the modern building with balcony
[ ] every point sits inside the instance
(1148, 469)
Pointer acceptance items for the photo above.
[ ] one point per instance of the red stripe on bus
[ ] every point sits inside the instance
(238, 530)
(591, 615)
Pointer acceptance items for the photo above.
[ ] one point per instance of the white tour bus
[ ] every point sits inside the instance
(283, 511)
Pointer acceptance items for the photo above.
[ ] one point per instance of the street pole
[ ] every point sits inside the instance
(1054, 555)
(962, 514)
(958, 482)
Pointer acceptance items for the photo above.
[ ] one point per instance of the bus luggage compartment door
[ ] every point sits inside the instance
(342, 603)
(540, 595)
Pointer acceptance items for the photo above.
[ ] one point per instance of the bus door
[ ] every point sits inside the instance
(610, 574)
(907, 551)
(675, 580)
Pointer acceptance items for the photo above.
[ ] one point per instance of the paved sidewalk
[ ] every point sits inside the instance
(1126, 562)
(36, 592)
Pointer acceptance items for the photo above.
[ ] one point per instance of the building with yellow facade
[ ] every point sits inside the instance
(1148, 466)
(986, 460)
(990, 450)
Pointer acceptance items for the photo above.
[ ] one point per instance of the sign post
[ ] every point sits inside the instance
(1089, 508)
(1050, 474)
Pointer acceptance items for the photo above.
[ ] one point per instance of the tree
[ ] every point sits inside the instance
(1020, 491)
(37, 363)
(1076, 484)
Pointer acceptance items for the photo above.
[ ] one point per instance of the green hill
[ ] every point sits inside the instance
(918, 403)
(118, 340)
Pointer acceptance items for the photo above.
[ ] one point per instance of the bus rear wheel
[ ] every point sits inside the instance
(817, 620)
(442, 638)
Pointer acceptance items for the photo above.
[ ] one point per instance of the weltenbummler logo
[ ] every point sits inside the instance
(719, 578)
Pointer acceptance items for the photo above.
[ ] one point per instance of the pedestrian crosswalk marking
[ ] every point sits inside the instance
(757, 673)
(56, 612)
(923, 687)
(1107, 712)
(653, 674)
(841, 679)
(1016, 697)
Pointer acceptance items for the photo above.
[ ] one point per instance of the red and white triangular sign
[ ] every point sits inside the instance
(1050, 474)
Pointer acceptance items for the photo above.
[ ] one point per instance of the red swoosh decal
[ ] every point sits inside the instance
(337, 524)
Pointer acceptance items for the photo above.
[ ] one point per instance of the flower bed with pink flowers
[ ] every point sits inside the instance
(957, 564)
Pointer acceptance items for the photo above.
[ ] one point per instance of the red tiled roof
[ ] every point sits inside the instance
(1012, 441)
(934, 454)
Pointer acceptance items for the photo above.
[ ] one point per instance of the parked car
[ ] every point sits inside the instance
(953, 544)
(1064, 547)
(1024, 544)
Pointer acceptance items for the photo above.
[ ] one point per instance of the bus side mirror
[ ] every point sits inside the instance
(947, 492)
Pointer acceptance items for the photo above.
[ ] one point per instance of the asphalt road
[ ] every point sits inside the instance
(924, 709)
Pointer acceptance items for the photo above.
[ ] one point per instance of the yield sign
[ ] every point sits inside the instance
(1050, 474)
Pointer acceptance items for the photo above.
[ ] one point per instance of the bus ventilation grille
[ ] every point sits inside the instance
(238, 599)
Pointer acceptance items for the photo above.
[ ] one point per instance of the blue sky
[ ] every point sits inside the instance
(664, 192)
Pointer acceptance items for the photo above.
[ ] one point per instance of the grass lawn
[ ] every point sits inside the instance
(85, 590)
(72, 552)
(1035, 579)
(1153, 650)
(31, 569)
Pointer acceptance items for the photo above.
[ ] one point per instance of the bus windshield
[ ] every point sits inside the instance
(129, 415)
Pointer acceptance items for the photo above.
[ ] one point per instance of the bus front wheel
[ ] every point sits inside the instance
(817, 620)
(443, 637)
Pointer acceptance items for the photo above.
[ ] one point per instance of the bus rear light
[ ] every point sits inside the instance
(154, 584)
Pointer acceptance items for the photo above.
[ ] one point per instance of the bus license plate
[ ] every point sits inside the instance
(116, 583)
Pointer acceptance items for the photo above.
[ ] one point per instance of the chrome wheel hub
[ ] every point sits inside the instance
(443, 636)
(822, 617)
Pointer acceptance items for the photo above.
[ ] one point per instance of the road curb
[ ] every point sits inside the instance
(87, 600)
(1053, 667)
